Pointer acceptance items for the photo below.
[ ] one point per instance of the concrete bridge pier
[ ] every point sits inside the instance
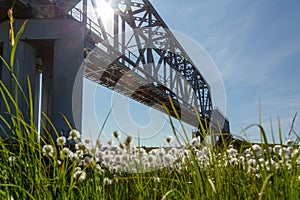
(25, 56)
(67, 65)
(50, 53)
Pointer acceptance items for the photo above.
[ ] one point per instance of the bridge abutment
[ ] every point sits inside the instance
(50, 53)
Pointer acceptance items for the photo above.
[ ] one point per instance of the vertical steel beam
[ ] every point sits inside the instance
(84, 11)
(116, 29)
(123, 36)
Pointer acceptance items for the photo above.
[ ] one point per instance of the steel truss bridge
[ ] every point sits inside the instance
(138, 56)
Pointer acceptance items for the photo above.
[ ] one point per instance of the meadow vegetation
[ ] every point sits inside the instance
(31, 168)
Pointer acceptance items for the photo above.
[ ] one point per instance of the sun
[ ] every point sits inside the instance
(105, 11)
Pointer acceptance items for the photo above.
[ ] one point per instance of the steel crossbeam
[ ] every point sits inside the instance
(143, 44)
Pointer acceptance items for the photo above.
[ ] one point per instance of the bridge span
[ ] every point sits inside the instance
(138, 56)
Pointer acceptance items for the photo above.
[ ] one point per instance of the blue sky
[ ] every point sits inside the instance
(256, 47)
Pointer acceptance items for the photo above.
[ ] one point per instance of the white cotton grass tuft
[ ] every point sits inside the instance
(98, 143)
(276, 148)
(256, 148)
(66, 152)
(195, 142)
(107, 181)
(61, 141)
(290, 143)
(4, 174)
(48, 150)
(11, 160)
(151, 159)
(87, 140)
(80, 146)
(80, 175)
(169, 139)
(232, 152)
(121, 145)
(110, 142)
(168, 159)
(116, 134)
(128, 141)
(128, 158)
(74, 135)
(156, 179)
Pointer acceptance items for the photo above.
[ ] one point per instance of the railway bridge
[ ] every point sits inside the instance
(137, 56)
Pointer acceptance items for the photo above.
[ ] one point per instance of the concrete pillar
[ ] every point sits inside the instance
(60, 45)
(24, 67)
(5, 78)
(67, 60)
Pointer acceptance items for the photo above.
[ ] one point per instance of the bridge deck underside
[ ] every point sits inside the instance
(32, 8)
(116, 76)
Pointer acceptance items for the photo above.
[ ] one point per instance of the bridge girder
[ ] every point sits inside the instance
(144, 44)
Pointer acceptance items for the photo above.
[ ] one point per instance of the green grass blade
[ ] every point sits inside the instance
(261, 192)
(15, 44)
(105, 121)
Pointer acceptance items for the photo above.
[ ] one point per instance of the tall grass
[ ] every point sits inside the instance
(29, 170)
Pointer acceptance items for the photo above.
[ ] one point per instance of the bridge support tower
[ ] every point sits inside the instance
(50, 53)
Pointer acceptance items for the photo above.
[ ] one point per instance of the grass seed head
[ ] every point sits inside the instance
(88, 140)
(74, 135)
(48, 150)
(128, 140)
(107, 181)
(169, 139)
(116, 134)
(61, 141)
(80, 175)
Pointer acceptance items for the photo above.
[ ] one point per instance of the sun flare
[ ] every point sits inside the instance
(105, 11)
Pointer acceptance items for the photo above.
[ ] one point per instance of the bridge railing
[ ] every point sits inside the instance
(94, 29)
(77, 14)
